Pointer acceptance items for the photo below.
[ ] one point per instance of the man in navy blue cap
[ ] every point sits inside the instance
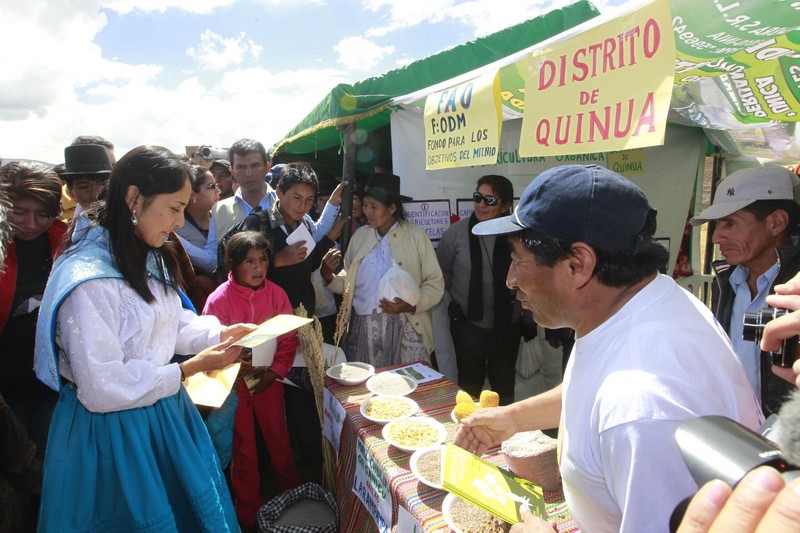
(647, 355)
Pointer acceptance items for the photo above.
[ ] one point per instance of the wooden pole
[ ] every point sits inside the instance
(348, 175)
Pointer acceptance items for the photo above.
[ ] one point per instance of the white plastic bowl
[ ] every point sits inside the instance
(419, 454)
(391, 384)
(447, 506)
(412, 408)
(438, 429)
(335, 373)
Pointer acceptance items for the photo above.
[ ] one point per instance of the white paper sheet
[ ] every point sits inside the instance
(302, 234)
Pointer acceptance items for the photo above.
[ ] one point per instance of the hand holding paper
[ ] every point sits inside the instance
(301, 234)
(275, 326)
(211, 391)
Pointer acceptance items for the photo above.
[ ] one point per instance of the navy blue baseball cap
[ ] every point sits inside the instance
(578, 203)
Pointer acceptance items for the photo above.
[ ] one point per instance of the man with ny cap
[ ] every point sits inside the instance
(755, 213)
(646, 352)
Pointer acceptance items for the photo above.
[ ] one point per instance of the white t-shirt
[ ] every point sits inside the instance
(659, 361)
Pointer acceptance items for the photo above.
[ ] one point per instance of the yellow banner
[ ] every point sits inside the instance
(463, 123)
(606, 89)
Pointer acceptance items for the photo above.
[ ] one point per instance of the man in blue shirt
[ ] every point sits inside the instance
(755, 214)
(249, 166)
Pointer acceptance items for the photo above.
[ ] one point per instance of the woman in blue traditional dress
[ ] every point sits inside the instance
(127, 449)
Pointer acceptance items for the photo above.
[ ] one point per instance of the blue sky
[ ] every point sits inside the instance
(187, 72)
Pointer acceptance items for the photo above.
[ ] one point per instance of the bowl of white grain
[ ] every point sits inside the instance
(350, 373)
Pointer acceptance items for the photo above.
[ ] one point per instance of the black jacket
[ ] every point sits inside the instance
(773, 388)
(294, 279)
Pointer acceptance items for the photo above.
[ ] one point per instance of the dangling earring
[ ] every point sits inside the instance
(134, 220)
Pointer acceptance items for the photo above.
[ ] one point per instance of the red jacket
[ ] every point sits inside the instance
(232, 303)
(8, 277)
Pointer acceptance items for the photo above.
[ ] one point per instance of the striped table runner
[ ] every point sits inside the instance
(436, 399)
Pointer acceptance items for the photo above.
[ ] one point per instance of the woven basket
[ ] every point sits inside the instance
(532, 455)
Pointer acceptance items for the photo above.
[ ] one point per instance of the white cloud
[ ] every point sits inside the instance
(218, 53)
(202, 7)
(358, 53)
(482, 16)
(407, 13)
(55, 84)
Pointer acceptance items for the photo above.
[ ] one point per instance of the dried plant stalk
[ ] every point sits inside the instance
(310, 337)
(343, 317)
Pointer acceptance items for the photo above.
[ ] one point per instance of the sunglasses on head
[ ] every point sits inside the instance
(491, 201)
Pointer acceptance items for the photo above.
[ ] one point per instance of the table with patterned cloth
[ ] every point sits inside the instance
(436, 399)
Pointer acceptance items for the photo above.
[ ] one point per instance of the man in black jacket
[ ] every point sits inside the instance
(755, 214)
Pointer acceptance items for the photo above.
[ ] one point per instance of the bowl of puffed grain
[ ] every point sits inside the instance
(411, 434)
(383, 409)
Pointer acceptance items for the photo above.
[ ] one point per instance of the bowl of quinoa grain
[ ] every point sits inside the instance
(464, 517)
(426, 464)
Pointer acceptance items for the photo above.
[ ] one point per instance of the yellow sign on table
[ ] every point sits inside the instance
(462, 124)
(607, 88)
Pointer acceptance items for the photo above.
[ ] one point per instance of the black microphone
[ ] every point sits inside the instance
(788, 434)
(715, 447)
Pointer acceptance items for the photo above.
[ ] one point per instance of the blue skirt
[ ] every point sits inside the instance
(148, 469)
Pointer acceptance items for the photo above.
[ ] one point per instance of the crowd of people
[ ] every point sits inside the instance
(122, 278)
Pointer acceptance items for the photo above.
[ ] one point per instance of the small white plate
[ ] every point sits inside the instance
(453, 412)
(411, 408)
(391, 384)
(435, 428)
(419, 454)
(335, 373)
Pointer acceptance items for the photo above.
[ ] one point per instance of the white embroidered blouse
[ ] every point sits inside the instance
(116, 347)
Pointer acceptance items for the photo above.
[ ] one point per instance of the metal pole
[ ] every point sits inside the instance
(716, 176)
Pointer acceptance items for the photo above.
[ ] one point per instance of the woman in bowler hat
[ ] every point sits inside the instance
(383, 332)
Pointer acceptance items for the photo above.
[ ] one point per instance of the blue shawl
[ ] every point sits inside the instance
(89, 259)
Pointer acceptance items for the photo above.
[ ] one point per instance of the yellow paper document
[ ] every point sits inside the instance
(211, 390)
(275, 326)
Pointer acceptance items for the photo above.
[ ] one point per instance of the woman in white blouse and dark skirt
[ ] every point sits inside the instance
(127, 450)
(384, 332)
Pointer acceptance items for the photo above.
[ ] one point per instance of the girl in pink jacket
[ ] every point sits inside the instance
(249, 297)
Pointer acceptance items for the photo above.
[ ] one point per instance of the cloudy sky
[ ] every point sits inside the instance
(187, 72)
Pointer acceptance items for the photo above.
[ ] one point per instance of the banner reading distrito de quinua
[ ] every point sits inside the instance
(605, 89)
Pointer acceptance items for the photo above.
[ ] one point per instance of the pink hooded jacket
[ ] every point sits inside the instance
(232, 303)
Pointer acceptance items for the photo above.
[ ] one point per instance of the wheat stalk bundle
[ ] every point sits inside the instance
(310, 337)
(343, 317)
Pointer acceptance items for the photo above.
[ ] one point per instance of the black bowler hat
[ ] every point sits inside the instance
(82, 159)
(384, 188)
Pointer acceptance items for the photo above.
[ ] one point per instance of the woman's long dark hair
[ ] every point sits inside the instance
(153, 170)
